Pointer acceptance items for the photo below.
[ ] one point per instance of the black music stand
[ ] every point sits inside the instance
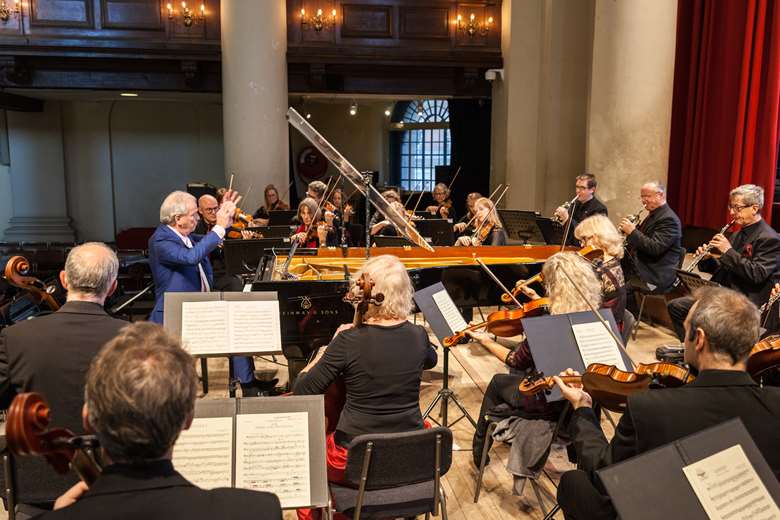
(521, 226)
(424, 300)
(383, 241)
(693, 281)
(243, 256)
(437, 232)
(551, 231)
(281, 217)
(273, 231)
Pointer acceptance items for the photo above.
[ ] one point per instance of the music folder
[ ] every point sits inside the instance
(653, 485)
(439, 310)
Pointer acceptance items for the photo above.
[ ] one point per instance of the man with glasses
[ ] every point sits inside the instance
(207, 209)
(748, 260)
(585, 206)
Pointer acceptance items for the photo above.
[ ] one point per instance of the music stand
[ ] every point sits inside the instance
(383, 241)
(281, 217)
(243, 256)
(273, 231)
(521, 225)
(551, 231)
(437, 232)
(693, 281)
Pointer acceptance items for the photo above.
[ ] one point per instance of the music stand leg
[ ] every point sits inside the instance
(232, 381)
(204, 374)
(445, 395)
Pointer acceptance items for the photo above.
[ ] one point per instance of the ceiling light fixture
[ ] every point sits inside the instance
(353, 109)
(129, 94)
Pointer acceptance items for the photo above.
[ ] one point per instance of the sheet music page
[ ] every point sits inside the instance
(254, 326)
(204, 327)
(272, 454)
(204, 453)
(449, 311)
(729, 488)
(597, 345)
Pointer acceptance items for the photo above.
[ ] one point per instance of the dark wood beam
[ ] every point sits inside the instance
(18, 103)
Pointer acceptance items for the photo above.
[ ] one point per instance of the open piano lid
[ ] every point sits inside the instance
(350, 173)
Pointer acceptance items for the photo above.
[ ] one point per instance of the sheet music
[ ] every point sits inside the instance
(246, 318)
(204, 327)
(204, 453)
(597, 345)
(449, 311)
(729, 488)
(272, 454)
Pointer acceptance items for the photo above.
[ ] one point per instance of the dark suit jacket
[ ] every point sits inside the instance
(51, 355)
(157, 491)
(655, 248)
(582, 211)
(751, 265)
(657, 417)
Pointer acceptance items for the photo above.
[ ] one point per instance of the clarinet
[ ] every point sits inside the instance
(700, 256)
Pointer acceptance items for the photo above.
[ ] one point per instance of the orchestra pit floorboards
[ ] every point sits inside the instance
(470, 372)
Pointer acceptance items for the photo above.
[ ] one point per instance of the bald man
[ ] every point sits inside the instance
(207, 207)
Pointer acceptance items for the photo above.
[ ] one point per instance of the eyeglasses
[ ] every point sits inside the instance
(210, 210)
(583, 188)
(739, 207)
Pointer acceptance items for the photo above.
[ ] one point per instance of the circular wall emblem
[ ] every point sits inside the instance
(312, 165)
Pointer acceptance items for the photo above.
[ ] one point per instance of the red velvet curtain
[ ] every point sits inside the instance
(725, 123)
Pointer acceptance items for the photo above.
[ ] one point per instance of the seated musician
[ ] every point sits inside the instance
(340, 207)
(467, 221)
(748, 261)
(564, 298)
(207, 209)
(50, 355)
(443, 203)
(487, 225)
(720, 331)
(140, 394)
(318, 233)
(655, 252)
(272, 203)
(385, 228)
(585, 206)
(380, 363)
(390, 196)
(599, 232)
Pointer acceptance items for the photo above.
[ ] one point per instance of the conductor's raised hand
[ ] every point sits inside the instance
(232, 196)
(225, 213)
(573, 392)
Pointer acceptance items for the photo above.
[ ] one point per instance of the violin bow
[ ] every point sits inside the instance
(419, 198)
(495, 278)
(492, 210)
(453, 180)
(490, 199)
(568, 224)
(287, 191)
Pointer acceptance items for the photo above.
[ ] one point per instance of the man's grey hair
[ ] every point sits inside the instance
(318, 187)
(729, 320)
(91, 268)
(140, 392)
(656, 186)
(175, 204)
(750, 193)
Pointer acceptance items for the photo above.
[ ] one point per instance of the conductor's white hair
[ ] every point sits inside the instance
(175, 204)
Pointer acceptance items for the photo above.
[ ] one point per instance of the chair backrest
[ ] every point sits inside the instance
(399, 459)
(628, 326)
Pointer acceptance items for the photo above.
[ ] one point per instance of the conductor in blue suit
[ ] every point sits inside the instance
(179, 260)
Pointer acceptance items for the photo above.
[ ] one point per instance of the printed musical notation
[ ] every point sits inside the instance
(204, 453)
(597, 345)
(272, 454)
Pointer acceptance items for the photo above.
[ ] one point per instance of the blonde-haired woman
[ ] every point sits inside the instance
(380, 362)
(600, 233)
(564, 298)
(490, 231)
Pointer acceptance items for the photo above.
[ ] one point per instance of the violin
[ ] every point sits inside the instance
(503, 323)
(27, 433)
(588, 252)
(610, 386)
(17, 273)
(764, 356)
(241, 221)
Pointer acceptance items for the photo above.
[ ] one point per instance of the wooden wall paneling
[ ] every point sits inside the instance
(131, 14)
(366, 21)
(427, 23)
(61, 13)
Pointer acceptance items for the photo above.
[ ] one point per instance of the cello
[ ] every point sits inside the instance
(17, 272)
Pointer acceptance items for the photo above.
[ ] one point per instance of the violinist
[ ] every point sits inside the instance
(308, 234)
(443, 203)
(140, 394)
(340, 207)
(50, 354)
(564, 298)
(466, 223)
(385, 228)
(207, 209)
(720, 331)
(381, 363)
(272, 203)
(600, 233)
(488, 228)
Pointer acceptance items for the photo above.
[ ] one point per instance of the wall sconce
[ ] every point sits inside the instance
(188, 16)
(6, 12)
(318, 22)
(474, 27)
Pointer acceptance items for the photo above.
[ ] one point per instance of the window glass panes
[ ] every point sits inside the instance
(424, 149)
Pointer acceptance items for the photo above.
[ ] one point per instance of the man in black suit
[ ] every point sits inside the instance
(654, 248)
(51, 354)
(140, 394)
(749, 261)
(585, 205)
(207, 209)
(720, 331)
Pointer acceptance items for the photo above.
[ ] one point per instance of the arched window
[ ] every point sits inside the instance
(425, 143)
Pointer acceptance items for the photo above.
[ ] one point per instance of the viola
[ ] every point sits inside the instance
(241, 221)
(610, 386)
(503, 323)
(588, 252)
(17, 272)
(27, 433)
(764, 356)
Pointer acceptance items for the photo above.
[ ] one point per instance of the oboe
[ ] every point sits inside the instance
(566, 206)
(706, 251)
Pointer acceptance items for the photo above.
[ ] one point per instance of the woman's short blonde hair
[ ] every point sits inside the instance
(391, 279)
(564, 297)
(604, 234)
(485, 202)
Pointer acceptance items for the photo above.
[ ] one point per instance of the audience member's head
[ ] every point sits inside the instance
(140, 394)
(599, 232)
(392, 280)
(180, 211)
(207, 208)
(90, 272)
(562, 272)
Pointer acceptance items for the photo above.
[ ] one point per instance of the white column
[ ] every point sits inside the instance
(254, 95)
(631, 98)
(38, 187)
